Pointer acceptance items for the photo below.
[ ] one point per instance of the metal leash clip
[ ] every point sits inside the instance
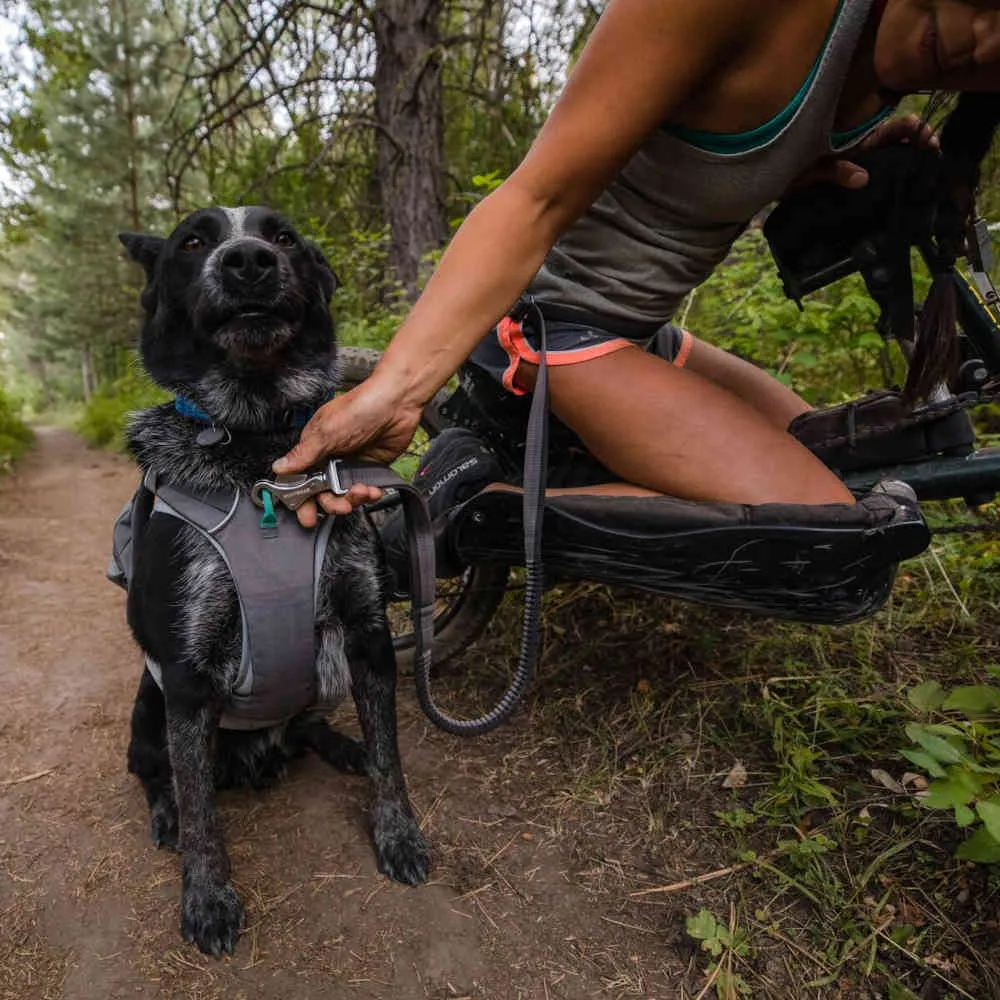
(294, 490)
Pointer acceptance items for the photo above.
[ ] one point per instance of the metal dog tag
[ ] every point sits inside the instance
(212, 436)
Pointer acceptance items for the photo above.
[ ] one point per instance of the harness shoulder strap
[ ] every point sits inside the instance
(128, 529)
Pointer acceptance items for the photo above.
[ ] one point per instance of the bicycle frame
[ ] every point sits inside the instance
(975, 477)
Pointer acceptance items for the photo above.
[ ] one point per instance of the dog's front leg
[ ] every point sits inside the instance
(403, 853)
(211, 913)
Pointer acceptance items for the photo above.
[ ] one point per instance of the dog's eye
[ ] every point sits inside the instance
(284, 239)
(192, 243)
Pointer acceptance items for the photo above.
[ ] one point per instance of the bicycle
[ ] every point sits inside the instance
(931, 446)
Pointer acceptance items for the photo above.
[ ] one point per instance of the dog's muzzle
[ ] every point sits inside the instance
(250, 268)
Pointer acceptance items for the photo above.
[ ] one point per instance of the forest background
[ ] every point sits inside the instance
(376, 125)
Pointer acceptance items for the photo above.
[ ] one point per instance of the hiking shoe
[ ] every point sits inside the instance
(455, 467)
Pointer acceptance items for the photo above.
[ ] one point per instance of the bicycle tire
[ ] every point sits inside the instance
(467, 603)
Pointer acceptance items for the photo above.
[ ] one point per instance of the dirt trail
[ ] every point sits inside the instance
(89, 909)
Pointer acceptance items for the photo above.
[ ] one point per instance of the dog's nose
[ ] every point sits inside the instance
(249, 263)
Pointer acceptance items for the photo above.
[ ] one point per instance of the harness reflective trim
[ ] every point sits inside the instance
(276, 573)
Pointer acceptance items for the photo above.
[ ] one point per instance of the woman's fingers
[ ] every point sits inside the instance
(843, 173)
(892, 132)
(358, 495)
(308, 514)
(313, 446)
(906, 128)
(369, 421)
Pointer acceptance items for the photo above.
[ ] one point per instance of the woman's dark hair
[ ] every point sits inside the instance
(967, 135)
(966, 138)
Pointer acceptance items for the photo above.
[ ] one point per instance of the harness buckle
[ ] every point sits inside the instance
(294, 490)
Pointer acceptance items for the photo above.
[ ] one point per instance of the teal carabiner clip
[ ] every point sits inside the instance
(269, 519)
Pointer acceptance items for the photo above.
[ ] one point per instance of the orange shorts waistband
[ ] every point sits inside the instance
(510, 334)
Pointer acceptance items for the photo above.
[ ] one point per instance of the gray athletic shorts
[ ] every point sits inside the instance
(511, 341)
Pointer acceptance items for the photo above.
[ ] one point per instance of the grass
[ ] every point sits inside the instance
(15, 435)
(738, 785)
(102, 422)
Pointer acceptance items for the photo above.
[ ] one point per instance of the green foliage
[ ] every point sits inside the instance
(84, 141)
(721, 943)
(367, 308)
(15, 435)
(804, 722)
(104, 417)
(827, 351)
(961, 756)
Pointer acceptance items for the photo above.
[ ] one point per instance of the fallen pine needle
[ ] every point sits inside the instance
(917, 960)
(711, 980)
(27, 777)
(697, 880)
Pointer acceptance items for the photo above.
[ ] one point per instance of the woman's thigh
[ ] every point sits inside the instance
(751, 384)
(678, 432)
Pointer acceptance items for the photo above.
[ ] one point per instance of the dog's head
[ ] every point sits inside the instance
(236, 301)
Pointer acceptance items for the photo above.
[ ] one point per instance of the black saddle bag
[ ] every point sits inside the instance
(825, 564)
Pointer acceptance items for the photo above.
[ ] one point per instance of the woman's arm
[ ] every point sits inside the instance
(642, 63)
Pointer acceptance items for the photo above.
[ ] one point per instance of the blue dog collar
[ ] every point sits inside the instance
(296, 417)
(188, 408)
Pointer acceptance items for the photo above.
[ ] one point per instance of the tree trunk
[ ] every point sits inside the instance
(130, 114)
(87, 372)
(410, 132)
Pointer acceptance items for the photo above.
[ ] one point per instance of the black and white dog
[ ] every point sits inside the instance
(238, 325)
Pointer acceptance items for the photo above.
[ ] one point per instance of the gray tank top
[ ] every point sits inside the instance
(672, 214)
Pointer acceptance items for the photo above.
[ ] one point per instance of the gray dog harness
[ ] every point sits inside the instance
(275, 565)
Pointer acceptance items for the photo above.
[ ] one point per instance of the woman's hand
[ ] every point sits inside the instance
(906, 129)
(370, 422)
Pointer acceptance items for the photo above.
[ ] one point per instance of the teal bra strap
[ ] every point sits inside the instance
(840, 139)
(731, 143)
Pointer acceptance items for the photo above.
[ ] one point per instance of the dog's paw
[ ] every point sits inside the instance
(351, 757)
(163, 824)
(211, 918)
(338, 750)
(403, 852)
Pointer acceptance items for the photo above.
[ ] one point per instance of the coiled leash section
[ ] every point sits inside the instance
(535, 465)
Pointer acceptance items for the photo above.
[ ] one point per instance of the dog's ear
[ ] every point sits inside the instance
(143, 249)
(328, 280)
